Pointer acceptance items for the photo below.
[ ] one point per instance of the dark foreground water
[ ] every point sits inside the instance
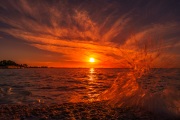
(54, 85)
(72, 85)
(157, 92)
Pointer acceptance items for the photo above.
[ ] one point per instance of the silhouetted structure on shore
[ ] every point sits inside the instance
(9, 64)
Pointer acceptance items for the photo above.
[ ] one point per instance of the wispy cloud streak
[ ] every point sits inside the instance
(72, 28)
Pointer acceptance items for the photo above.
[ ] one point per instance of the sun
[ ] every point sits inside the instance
(92, 60)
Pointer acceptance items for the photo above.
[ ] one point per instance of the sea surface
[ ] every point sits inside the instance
(52, 85)
(55, 85)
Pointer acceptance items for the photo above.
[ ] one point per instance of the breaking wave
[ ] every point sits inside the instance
(145, 88)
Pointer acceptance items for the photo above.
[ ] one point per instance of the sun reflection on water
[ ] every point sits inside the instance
(92, 84)
(91, 70)
(91, 74)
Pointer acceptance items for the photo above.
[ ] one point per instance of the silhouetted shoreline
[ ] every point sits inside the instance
(9, 64)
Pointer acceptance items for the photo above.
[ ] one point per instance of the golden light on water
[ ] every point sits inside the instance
(91, 70)
(92, 60)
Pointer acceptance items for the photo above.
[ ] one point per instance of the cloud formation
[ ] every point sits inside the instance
(77, 30)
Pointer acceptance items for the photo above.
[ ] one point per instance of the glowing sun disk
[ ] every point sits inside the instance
(91, 60)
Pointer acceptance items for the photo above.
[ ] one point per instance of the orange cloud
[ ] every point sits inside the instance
(75, 34)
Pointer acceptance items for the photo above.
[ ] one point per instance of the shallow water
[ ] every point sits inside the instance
(157, 92)
(64, 85)
(49, 85)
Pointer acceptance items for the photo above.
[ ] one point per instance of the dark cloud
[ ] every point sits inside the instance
(141, 15)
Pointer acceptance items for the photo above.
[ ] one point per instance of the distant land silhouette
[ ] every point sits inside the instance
(9, 64)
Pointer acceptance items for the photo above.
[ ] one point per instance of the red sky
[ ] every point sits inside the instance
(67, 33)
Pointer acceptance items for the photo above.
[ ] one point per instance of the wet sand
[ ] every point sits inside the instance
(70, 111)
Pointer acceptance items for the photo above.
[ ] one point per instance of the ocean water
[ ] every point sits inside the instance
(155, 90)
(158, 91)
(50, 85)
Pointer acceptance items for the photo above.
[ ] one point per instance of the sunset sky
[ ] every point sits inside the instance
(67, 33)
